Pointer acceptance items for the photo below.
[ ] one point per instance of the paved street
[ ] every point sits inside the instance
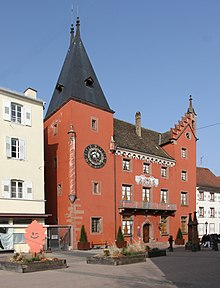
(178, 269)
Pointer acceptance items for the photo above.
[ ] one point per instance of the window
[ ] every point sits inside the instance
(163, 172)
(212, 196)
(96, 187)
(201, 196)
(126, 192)
(146, 168)
(127, 224)
(146, 194)
(126, 164)
(18, 238)
(183, 175)
(184, 224)
(94, 124)
(183, 153)
(96, 226)
(184, 199)
(17, 189)
(55, 128)
(163, 225)
(15, 148)
(212, 212)
(59, 189)
(163, 196)
(188, 135)
(201, 211)
(17, 113)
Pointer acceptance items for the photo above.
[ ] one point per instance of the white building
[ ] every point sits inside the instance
(22, 166)
(207, 202)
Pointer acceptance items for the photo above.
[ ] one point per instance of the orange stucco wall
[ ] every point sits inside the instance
(111, 177)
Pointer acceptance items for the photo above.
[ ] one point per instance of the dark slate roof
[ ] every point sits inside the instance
(125, 137)
(205, 178)
(77, 79)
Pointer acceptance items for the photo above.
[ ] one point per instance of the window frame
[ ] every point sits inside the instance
(183, 198)
(164, 192)
(96, 225)
(164, 172)
(184, 153)
(146, 194)
(96, 185)
(94, 124)
(17, 117)
(146, 168)
(201, 212)
(18, 187)
(126, 192)
(126, 164)
(184, 175)
(183, 222)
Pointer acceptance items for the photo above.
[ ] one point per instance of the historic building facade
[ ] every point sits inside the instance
(103, 173)
(22, 161)
(207, 202)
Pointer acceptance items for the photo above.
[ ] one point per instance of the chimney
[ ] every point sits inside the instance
(30, 92)
(138, 123)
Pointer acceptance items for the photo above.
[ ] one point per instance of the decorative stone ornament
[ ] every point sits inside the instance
(95, 156)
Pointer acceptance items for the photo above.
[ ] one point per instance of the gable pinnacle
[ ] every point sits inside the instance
(191, 109)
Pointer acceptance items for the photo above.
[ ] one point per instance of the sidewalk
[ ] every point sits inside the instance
(79, 274)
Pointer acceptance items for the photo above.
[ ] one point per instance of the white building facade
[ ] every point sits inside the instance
(22, 197)
(208, 202)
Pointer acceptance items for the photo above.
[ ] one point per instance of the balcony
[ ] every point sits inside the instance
(146, 208)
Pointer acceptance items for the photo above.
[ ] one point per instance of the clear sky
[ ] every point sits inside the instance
(149, 56)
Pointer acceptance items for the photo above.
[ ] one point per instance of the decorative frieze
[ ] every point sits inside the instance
(146, 158)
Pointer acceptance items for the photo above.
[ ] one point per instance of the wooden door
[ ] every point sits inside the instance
(146, 233)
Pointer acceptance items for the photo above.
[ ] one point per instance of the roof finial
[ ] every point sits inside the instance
(72, 27)
(77, 26)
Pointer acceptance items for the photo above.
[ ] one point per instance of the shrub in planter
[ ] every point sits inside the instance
(179, 238)
(83, 243)
(120, 242)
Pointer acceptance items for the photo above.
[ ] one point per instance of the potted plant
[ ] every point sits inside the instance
(120, 242)
(83, 243)
(179, 238)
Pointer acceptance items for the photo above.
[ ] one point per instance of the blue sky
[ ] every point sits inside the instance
(149, 56)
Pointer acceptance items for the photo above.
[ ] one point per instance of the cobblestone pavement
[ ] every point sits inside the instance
(80, 275)
(178, 269)
(191, 269)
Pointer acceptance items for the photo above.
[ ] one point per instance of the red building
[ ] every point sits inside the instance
(104, 173)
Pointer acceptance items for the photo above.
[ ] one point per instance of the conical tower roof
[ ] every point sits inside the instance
(77, 79)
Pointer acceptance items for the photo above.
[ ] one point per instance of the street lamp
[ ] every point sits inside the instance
(206, 226)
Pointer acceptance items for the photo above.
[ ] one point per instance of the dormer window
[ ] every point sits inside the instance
(89, 82)
(59, 87)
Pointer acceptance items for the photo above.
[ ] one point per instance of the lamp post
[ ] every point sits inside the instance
(206, 226)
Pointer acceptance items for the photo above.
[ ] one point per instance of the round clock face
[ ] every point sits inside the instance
(95, 156)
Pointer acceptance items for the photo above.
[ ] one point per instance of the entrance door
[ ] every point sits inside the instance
(146, 233)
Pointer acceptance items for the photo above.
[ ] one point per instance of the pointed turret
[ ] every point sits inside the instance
(192, 114)
(77, 79)
(191, 109)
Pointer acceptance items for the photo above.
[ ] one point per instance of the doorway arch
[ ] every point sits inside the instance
(146, 232)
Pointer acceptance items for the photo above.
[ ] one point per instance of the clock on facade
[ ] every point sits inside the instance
(95, 156)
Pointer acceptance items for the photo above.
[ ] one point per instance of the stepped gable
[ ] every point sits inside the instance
(180, 127)
(125, 136)
(205, 178)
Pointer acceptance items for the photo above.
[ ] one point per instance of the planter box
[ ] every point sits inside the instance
(156, 253)
(179, 242)
(121, 244)
(33, 266)
(116, 261)
(83, 245)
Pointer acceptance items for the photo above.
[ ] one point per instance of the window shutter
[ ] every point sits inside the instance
(7, 110)
(6, 188)
(29, 190)
(22, 149)
(27, 115)
(8, 146)
(22, 116)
